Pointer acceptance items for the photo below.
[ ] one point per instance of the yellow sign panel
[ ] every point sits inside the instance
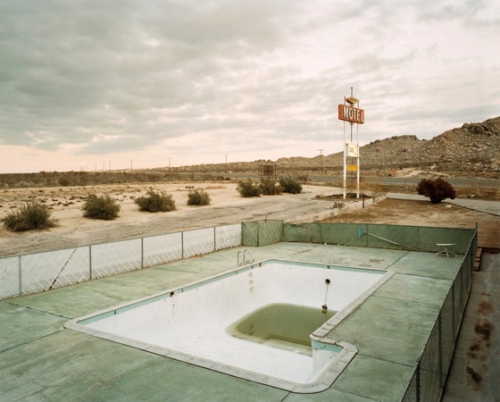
(352, 168)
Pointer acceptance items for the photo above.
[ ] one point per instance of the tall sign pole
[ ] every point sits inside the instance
(351, 113)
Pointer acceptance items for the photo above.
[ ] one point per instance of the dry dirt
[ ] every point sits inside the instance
(424, 213)
(227, 206)
(65, 204)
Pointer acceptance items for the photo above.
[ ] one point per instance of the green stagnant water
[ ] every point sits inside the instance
(285, 326)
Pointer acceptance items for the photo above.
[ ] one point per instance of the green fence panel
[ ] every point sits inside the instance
(302, 233)
(380, 236)
(250, 234)
(431, 385)
(346, 234)
(270, 232)
(447, 335)
(430, 237)
(428, 382)
(393, 237)
(257, 234)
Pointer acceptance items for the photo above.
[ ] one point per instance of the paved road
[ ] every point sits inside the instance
(455, 181)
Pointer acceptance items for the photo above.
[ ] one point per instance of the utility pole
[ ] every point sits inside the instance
(321, 159)
(226, 162)
(131, 168)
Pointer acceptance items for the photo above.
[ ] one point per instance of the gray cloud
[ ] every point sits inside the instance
(118, 77)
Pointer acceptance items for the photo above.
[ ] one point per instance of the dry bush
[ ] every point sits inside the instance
(30, 216)
(103, 207)
(198, 197)
(156, 202)
(247, 188)
(268, 186)
(437, 190)
(290, 185)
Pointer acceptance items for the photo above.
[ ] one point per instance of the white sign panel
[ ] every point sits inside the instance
(351, 150)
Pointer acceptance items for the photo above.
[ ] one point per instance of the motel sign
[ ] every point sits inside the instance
(351, 114)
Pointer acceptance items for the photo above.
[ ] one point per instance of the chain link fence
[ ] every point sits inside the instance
(397, 237)
(31, 273)
(258, 234)
(431, 371)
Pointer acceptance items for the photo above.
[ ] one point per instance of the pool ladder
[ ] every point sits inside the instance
(245, 259)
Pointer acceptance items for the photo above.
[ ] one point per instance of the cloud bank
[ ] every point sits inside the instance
(88, 83)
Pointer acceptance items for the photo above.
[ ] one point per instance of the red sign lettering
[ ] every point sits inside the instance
(352, 114)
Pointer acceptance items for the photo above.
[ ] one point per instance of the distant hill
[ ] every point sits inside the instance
(471, 150)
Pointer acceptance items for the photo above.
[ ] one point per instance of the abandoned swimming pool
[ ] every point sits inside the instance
(265, 322)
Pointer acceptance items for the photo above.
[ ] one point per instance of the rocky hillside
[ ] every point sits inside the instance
(471, 150)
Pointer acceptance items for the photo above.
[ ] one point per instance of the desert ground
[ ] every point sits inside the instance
(65, 204)
(424, 213)
(227, 207)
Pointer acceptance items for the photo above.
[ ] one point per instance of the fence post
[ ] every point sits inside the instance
(215, 239)
(142, 252)
(90, 262)
(20, 275)
(417, 391)
(461, 275)
(440, 353)
(453, 310)
(182, 245)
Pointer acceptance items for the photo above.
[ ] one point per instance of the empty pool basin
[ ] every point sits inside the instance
(267, 322)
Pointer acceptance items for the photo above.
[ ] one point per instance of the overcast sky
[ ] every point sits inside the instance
(98, 84)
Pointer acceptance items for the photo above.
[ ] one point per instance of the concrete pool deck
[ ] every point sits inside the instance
(39, 360)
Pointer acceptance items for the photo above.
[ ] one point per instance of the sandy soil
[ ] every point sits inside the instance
(227, 207)
(65, 204)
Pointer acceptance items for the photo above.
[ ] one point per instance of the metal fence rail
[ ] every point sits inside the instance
(429, 378)
(37, 272)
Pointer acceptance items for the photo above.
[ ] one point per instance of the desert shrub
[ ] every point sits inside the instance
(156, 202)
(247, 188)
(290, 185)
(198, 197)
(268, 186)
(338, 204)
(103, 207)
(63, 181)
(30, 216)
(437, 190)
